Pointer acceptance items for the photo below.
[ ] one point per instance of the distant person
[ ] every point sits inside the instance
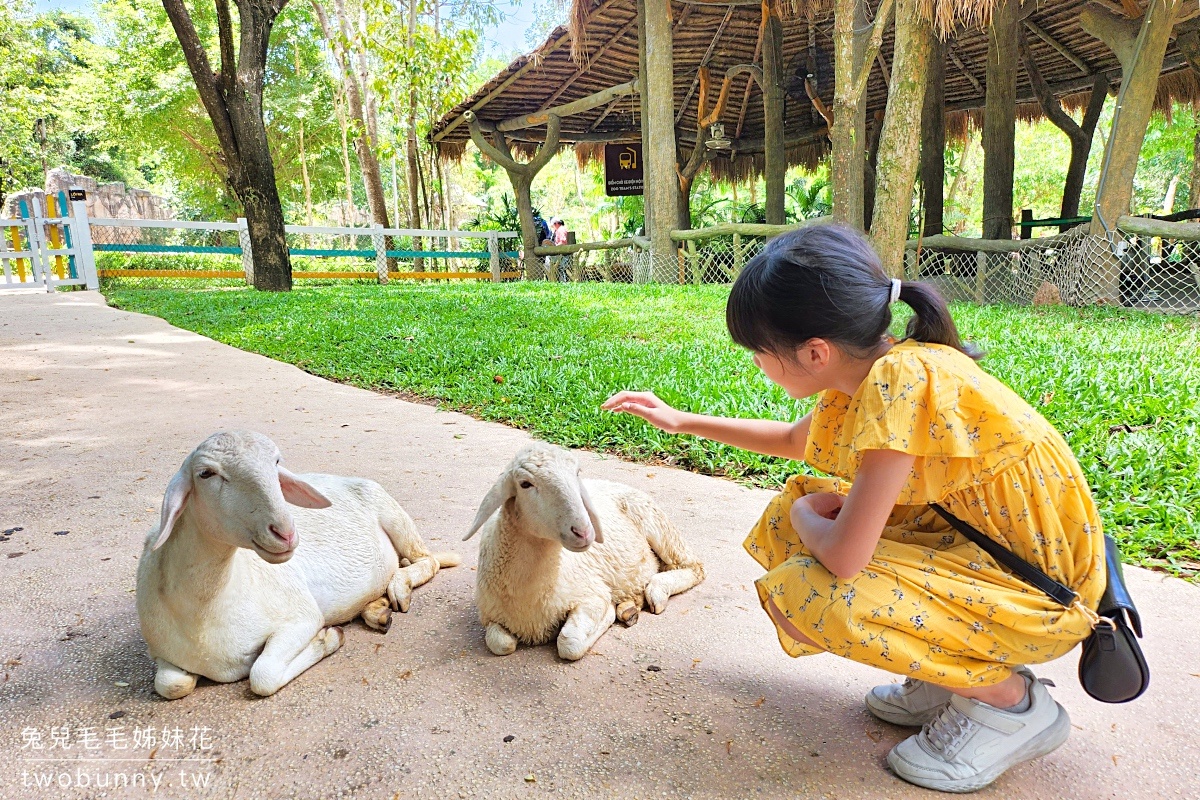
(558, 232)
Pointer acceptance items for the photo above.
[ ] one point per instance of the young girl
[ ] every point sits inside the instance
(859, 564)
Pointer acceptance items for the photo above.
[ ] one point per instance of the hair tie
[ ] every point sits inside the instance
(895, 291)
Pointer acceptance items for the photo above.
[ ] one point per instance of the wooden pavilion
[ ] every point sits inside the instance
(666, 73)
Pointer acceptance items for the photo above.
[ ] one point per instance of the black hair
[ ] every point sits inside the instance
(826, 282)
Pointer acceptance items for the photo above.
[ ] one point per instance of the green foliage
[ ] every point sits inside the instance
(1110, 381)
(502, 216)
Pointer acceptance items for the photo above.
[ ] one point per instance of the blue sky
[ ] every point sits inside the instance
(506, 37)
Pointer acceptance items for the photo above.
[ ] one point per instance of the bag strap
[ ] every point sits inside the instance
(1056, 591)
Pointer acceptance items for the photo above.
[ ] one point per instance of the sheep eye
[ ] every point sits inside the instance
(205, 474)
(526, 485)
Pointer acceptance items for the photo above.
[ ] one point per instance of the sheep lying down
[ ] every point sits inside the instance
(560, 554)
(237, 583)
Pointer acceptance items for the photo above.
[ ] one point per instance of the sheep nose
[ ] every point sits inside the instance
(288, 537)
(583, 534)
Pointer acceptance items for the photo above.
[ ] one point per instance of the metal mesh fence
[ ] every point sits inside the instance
(1075, 268)
(215, 255)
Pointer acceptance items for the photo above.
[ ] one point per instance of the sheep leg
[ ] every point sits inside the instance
(665, 584)
(586, 623)
(408, 578)
(289, 652)
(378, 615)
(499, 641)
(172, 682)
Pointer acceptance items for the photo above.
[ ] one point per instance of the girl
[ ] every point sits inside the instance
(859, 564)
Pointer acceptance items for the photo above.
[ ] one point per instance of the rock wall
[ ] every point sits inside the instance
(104, 200)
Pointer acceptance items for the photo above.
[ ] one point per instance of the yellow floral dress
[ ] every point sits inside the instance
(931, 604)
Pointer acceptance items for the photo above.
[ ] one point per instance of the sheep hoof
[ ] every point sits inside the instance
(404, 562)
(627, 613)
(500, 641)
(400, 595)
(378, 615)
(656, 598)
(571, 649)
(334, 638)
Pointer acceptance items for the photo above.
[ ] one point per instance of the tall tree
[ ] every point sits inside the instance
(233, 98)
(350, 57)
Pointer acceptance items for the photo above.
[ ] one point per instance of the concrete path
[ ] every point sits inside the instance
(98, 407)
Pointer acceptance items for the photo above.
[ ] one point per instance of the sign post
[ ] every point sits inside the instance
(623, 169)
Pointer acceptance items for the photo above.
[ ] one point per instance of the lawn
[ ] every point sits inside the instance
(1123, 387)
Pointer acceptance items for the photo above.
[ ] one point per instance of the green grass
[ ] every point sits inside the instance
(1123, 387)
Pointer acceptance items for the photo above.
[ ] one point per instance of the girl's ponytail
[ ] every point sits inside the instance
(931, 321)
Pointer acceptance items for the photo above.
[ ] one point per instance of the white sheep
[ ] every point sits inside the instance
(556, 547)
(234, 583)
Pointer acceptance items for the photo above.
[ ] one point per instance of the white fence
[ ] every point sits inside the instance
(47, 252)
(63, 249)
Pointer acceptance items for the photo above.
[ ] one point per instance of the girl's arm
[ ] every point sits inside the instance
(842, 534)
(769, 437)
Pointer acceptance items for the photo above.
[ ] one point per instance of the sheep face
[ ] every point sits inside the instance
(236, 491)
(548, 498)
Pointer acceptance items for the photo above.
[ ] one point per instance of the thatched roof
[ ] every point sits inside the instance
(722, 36)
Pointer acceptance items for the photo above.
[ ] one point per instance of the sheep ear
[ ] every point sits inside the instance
(178, 491)
(591, 512)
(501, 490)
(300, 493)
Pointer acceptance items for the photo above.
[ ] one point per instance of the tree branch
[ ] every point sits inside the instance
(228, 57)
(547, 150)
(202, 74)
(882, 17)
(1050, 105)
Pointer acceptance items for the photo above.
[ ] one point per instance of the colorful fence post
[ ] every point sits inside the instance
(72, 262)
(55, 234)
(15, 232)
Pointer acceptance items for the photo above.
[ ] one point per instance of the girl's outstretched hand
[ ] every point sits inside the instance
(646, 406)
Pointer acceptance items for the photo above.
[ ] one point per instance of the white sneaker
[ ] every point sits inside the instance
(914, 702)
(970, 744)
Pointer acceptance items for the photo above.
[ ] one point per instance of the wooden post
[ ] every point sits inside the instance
(933, 141)
(1026, 229)
(774, 155)
(658, 127)
(1000, 120)
(900, 139)
(1141, 49)
(85, 255)
(379, 245)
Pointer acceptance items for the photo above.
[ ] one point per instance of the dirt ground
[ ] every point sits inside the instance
(98, 407)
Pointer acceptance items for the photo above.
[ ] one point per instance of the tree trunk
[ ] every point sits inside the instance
(658, 128)
(233, 100)
(1141, 49)
(351, 211)
(1081, 149)
(1000, 120)
(774, 155)
(900, 139)
(683, 208)
(1194, 189)
(933, 142)
(869, 164)
(848, 131)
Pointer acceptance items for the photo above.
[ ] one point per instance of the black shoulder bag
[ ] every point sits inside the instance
(1112, 668)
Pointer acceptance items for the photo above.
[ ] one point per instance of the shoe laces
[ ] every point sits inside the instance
(948, 729)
